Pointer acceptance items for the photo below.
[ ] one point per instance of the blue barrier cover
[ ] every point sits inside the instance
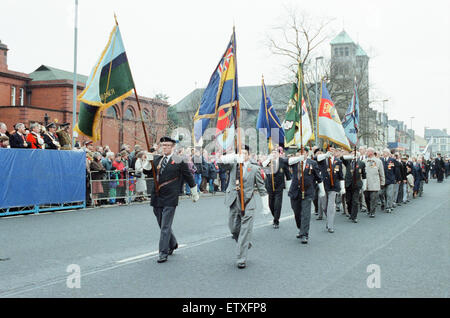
(36, 176)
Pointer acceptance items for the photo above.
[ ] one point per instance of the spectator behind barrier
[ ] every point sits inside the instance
(18, 139)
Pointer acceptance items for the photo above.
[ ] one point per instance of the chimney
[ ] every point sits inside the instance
(3, 56)
(445, 130)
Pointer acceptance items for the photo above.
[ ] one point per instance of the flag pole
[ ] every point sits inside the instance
(238, 114)
(300, 98)
(270, 139)
(75, 81)
(155, 180)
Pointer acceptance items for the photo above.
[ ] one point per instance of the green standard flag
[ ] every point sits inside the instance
(109, 82)
(291, 122)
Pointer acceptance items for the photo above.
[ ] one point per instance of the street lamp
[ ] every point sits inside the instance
(317, 104)
(411, 137)
(384, 123)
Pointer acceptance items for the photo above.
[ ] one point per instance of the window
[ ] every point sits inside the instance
(443, 148)
(21, 95)
(435, 140)
(129, 114)
(443, 141)
(146, 115)
(346, 51)
(112, 112)
(336, 51)
(341, 51)
(13, 96)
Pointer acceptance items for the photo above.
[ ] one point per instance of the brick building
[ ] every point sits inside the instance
(46, 95)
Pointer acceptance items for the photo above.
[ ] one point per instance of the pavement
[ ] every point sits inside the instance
(114, 249)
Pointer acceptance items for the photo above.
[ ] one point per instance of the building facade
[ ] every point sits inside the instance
(46, 95)
(440, 141)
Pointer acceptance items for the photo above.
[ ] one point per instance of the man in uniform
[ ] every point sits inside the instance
(439, 168)
(276, 169)
(389, 177)
(241, 222)
(333, 179)
(355, 182)
(375, 180)
(170, 171)
(64, 137)
(50, 138)
(305, 175)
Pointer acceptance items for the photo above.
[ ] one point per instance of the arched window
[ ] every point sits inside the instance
(146, 115)
(112, 112)
(129, 114)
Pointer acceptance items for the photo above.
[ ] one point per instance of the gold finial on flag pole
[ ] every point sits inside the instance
(115, 18)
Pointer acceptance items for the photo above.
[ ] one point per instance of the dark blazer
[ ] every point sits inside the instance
(389, 170)
(336, 169)
(278, 176)
(49, 142)
(168, 194)
(16, 141)
(360, 172)
(311, 175)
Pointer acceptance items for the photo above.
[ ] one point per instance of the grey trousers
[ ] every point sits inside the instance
(389, 195)
(302, 213)
(241, 227)
(405, 192)
(327, 205)
(167, 240)
(395, 194)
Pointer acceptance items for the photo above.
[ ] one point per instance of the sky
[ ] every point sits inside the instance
(173, 46)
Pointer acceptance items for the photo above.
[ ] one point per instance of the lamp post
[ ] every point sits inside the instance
(317, 105)
(411, 137)
(385, 124)
(46, 118)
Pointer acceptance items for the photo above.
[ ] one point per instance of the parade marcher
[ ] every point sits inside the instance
(276, 170)
(50, 138)
(355, 182)
(404, 184)
(305, 175)
(240, 222)
(64, 137)
(34, 138)
(18, 139)
(362, 200)
(375, 180)
(387, 192)
(398, 177)
(439, 168)
(424, 175)
(334, 184)
(170, 171)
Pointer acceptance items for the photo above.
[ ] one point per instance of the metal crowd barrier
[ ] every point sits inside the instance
(117, 187)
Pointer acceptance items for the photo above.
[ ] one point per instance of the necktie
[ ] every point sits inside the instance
(164, 164)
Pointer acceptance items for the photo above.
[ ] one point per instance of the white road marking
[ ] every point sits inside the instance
(12, 216)
(145, 255)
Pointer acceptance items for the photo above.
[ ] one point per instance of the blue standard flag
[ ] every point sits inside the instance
(268, 120)
(220, 96)
(351, 119)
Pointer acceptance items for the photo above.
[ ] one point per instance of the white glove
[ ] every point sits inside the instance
(240, 158)
(294, 160)
(364, 187)
(288, 184)
(149, 157)
(321, 157)
(329, 154)
(230, 158)
(195, 195)
(342, 183)
(266, 162)
(265, 204)
(349, 157)
(321, 190)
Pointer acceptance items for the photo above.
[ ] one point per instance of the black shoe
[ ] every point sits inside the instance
(298, 236)
(304, 240)
(319, 218)
(162, 259)
(354, 220)
(241, 265)
(372, 215)
(330, 230)
(173, 249)
(276, 226)
(382, 207)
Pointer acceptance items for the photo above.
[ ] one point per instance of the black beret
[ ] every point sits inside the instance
(167, 139)
(64, 125)
(51, 125)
